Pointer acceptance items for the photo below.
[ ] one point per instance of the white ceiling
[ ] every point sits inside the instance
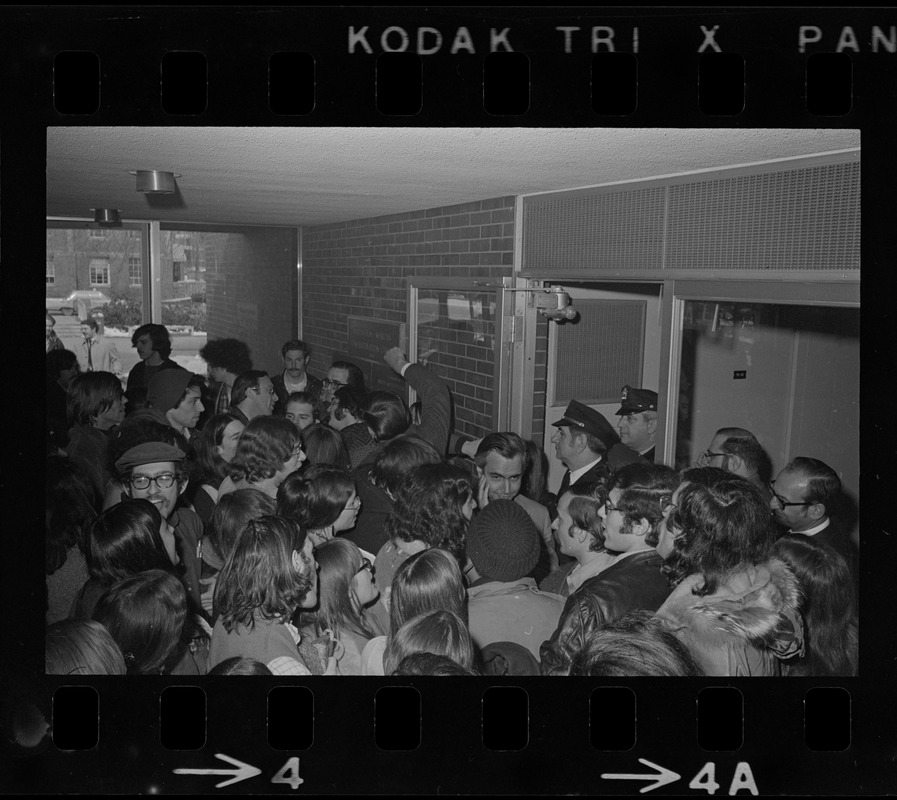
(310, 176)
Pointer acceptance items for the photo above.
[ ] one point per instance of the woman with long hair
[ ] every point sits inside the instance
(72, 504)
(230, 516)
(269, 575)
(735, 605)
(828, 606)
(346, 591)
(123, 541)
(324, 445)
(95, 405)
(214, 449)
(322, 500)
(428, 580)
(438, 631)
(433, 507)
(81, 647)
(146, 614)
(270, 448)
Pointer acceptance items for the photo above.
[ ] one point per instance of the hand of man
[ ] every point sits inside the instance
(483, 493)
(395, 358)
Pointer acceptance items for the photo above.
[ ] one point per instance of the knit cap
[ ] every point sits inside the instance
(502, 542)
(166, 387)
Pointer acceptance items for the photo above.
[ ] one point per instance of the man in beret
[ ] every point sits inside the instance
(504, 605)
(175, 397)
(588, 446)
(638, 420)
(155, 471)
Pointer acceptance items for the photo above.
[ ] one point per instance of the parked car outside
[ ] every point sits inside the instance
(80, 299)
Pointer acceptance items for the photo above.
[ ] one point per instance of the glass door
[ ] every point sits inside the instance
(460, 330)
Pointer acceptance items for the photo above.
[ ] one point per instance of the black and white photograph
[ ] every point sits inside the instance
(347, 392)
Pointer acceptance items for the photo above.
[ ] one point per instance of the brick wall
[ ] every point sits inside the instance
(253, 294)
(361, 269)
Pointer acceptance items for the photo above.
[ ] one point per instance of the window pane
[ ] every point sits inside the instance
(453, 328)
(89, 273)
(789, 374)
(187, 257)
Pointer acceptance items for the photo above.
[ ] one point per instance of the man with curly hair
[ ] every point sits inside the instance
(227, 358)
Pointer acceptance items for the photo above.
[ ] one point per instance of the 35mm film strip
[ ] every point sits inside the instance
(499, 68)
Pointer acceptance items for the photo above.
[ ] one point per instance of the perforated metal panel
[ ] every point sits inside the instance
(610, 230)
(800, 219)
(601, 352)
(805, 218)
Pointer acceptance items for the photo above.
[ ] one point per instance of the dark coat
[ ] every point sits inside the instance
(632, 583)
(313, 387)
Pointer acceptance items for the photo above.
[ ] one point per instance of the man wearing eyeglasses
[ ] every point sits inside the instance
(736, 450)
(155, 471)
(341, 373)
(804, 494)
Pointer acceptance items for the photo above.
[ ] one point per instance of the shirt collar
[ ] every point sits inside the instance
(575, 475)
(815, 529)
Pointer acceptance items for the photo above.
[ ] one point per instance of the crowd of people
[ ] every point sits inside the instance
(289, 525)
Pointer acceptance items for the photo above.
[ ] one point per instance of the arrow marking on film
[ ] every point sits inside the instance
(662, 777)
(241, 773)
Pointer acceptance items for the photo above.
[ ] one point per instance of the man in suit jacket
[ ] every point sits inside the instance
(97, 354)
(803, 496)
(294, 378)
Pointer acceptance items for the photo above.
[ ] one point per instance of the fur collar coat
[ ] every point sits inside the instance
(750, 623)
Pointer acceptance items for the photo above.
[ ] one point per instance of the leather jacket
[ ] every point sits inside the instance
(632, 583)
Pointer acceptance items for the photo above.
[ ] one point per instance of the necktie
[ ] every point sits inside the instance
(89, 355)
(565, 483)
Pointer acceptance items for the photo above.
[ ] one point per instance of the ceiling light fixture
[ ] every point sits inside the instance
(107, 217)
(151, 181)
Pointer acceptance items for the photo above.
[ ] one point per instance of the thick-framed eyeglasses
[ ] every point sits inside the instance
(164, 480)
(781, 501)
(708, 454)
(365, 565)
(333, 384)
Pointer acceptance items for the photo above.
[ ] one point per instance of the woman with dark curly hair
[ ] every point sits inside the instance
(322, 500)
(268, 576)
(214, 449)
(270, 448)
(828, 607)
(735, 605)
(433, 507)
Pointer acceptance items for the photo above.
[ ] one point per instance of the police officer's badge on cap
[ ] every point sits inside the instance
(634, 401)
